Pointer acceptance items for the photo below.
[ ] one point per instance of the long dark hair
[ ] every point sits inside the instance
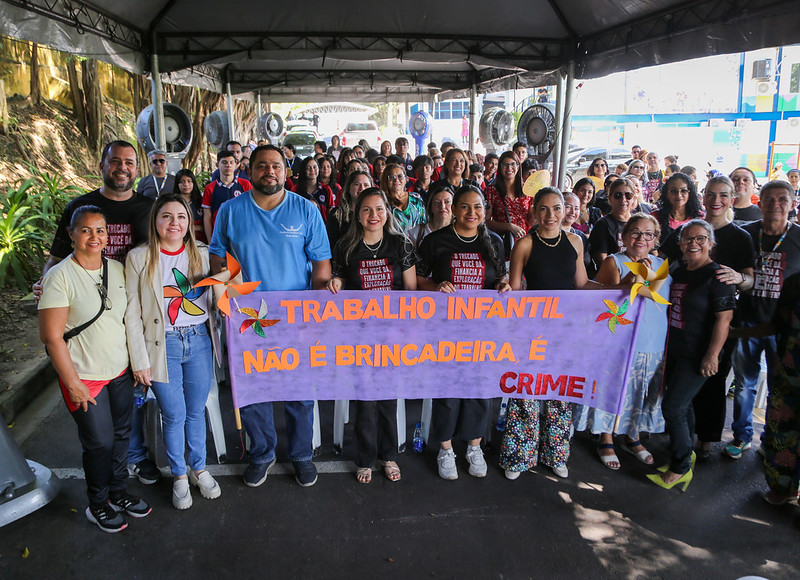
(301, 184)
(196, 196)
(692, 203)
(344, 211)
(331, 160)
(483, 232)
(499, 183)
(355, 234)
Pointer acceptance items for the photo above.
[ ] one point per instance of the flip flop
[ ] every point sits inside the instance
(608, 459)
(392, 472)
(364, 474)
(644, 456)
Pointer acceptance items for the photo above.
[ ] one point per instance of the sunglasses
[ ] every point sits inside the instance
(627, 195)
(158, 161)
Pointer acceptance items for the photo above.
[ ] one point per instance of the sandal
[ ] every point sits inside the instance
(391, 470)
(644, 456)
(608, 460)
(364, 474)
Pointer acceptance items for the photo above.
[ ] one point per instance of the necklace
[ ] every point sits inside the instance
(75, 259)
(541, 239)
(465, 240)
(375, 249)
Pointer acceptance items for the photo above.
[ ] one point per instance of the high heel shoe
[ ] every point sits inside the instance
(685, 479)
(692, 461)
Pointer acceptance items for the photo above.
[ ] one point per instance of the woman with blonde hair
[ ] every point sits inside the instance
(168, 339)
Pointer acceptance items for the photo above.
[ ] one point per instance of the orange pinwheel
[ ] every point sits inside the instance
(648, 282)
(228, 284)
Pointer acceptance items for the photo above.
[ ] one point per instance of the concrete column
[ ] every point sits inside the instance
(229, 101)
(566, 127)
(158, 101)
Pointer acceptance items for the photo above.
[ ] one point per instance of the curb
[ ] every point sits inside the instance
(26, 390)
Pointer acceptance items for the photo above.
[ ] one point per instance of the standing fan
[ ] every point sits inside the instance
(270, 127)
(537, 129)
(496, 129)
(177, 129)
(420, 126)
(216, 129)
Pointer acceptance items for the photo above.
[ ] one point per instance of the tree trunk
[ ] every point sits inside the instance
(3, 109)
(36, 89)
(76, 94)
(94, 103)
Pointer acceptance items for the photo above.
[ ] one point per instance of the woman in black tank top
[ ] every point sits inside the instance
(550, 259)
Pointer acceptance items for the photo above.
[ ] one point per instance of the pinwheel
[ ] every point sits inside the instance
(648, 282)
(258, 320)
(231, 282)
(183, 297)
(614, 315)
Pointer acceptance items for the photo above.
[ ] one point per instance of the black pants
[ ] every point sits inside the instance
(683, 382)
(376, 431)
(710, 404)
(104, 431)
(461, 418)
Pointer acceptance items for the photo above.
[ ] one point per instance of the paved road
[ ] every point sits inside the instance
(596, 524)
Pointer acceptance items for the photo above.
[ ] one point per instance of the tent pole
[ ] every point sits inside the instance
(258, 104)
(559, 123)
(473, 106)
(229, 101)
(158, 101)
(566, 128)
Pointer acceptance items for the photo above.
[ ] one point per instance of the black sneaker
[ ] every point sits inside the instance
(130, 504)
(106, 518)
(147, 471)
(256, 473)
(305, 472)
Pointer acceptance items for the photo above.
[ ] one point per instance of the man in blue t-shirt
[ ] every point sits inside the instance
(278, 238)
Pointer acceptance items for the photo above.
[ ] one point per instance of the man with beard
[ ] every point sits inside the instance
(279, 239)
(127, 221)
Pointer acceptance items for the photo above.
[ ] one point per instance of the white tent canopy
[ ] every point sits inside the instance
(373, 51)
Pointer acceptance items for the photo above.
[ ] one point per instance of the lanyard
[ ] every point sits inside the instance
(777, 244)
(155, 182)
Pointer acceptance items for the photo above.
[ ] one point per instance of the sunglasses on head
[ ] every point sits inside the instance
(621, 194)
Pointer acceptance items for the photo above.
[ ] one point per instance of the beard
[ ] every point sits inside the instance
(111, 183)
(268, 189)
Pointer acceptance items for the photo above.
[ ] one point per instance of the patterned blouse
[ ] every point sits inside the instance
(517, 208)
(412, 216)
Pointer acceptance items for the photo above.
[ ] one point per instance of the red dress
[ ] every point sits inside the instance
(517, 208)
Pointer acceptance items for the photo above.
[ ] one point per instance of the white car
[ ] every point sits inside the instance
(354, 132)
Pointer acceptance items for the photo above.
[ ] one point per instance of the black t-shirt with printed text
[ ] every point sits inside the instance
(696, 297)
(734, 248)
(606, 236)
(445, 257)
(127, 223)
(773, 266)
(379, 270)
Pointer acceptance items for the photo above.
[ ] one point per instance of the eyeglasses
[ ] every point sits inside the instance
(395, 177)
(158, 161)
(635, 167)
(626, 194)
(646, 236)
(104, 297)
(509, 165)
(683, 190)
(699, 239)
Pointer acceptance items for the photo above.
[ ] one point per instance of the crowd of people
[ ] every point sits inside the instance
(120, 305)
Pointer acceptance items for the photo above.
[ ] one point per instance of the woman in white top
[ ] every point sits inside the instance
(168, 341)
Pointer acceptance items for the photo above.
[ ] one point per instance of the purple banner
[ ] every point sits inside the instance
(568, 345)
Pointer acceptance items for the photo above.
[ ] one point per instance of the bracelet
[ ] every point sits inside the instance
(744, 279)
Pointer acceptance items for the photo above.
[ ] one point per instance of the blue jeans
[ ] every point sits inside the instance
(137, 446)
(746, 368)
(183, 398)
(260, 427)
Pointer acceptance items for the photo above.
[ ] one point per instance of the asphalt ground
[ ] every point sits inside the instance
(595, 524)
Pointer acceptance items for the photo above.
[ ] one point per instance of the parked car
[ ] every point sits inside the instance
(354, 132)
(578, 161)
(303, 141)
(296, 125)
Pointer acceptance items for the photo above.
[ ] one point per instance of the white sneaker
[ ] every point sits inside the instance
(512, 474)
(209, 488)
(181, 495)
(477, 464)
(561, 471)
(447, 464)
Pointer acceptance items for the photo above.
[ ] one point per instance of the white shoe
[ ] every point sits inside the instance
(209, 488)
(561, 471)
(181, 495)
(477, 464)
(512, 474)
(447, 464)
